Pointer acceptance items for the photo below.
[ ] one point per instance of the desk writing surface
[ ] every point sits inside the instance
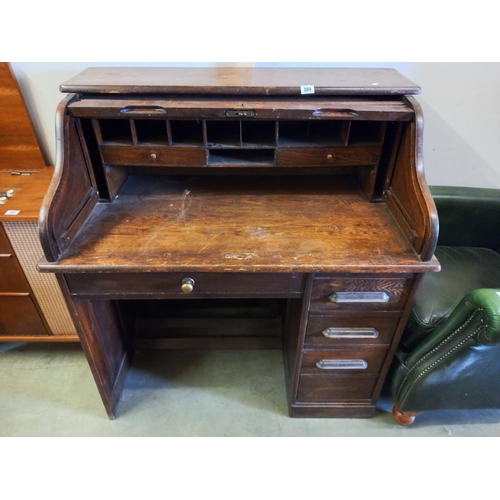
(235, 224)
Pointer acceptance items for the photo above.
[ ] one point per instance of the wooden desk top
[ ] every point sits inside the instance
(235, 224)
(241, 81)
(29, 193)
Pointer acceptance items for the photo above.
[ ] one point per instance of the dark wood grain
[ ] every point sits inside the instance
(72, 192)
(168, 285)
(408, 196)
(295, 329)
(384, 323)
(232, 178)
(154, 155)
(349, 155)
(317, 388)
(240, 81)
(240, 225)
(210, 343)
(396, 288)
(374, 357)
(106, 343)
(285, 108)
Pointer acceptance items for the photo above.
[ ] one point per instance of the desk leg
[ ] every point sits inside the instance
(105, 344)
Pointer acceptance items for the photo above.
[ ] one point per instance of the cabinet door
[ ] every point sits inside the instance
(19, 316)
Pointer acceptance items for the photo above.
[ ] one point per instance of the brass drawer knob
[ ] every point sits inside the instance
(329, 158)
(187, 285)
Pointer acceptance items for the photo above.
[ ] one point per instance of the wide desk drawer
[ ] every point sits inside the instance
(130, 285)
(360, 293)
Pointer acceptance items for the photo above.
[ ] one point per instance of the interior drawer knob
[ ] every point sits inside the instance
(153, 156)
(187, 285)
(329, 158)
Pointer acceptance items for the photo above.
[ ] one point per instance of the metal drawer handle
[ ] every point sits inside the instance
(335, 113)
(342, 364)
(5, 255)
(350, 333)
(344, 297)
(140, 110)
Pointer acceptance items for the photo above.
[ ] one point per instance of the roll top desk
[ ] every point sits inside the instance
(242, 208)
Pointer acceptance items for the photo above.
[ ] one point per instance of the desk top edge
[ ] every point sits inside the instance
(240, 81)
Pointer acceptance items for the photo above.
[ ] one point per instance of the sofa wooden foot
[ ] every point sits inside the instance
(403, 417)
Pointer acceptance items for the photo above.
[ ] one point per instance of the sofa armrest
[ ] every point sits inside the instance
(468, 217)
(475, 322)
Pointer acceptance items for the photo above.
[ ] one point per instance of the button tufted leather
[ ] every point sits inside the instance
(462, 269)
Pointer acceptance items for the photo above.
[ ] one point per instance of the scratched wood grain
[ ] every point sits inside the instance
(240, 224)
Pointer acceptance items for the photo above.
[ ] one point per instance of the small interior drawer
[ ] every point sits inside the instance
(340, 361)
(347, 155)
(375, 328)
(130, 285)
(153, 156)
(336, 387)
(360, 294)
(12, 278)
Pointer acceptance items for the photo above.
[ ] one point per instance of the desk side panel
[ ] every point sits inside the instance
(408, 196)
(72, 193)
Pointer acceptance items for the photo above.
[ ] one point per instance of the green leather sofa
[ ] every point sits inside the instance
(449, 354)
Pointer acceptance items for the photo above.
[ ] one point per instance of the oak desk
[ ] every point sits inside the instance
(243, 208)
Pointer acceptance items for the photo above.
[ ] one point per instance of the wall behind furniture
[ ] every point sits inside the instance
(461, 103)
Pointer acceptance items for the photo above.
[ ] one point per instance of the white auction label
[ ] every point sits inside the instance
(307, 89)
(12, 212)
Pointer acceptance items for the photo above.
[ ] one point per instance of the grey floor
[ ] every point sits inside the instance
(48, 390)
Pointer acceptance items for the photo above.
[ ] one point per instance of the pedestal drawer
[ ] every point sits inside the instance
(331, 361)
(316, 388)
(362, 294)
(374, 328)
